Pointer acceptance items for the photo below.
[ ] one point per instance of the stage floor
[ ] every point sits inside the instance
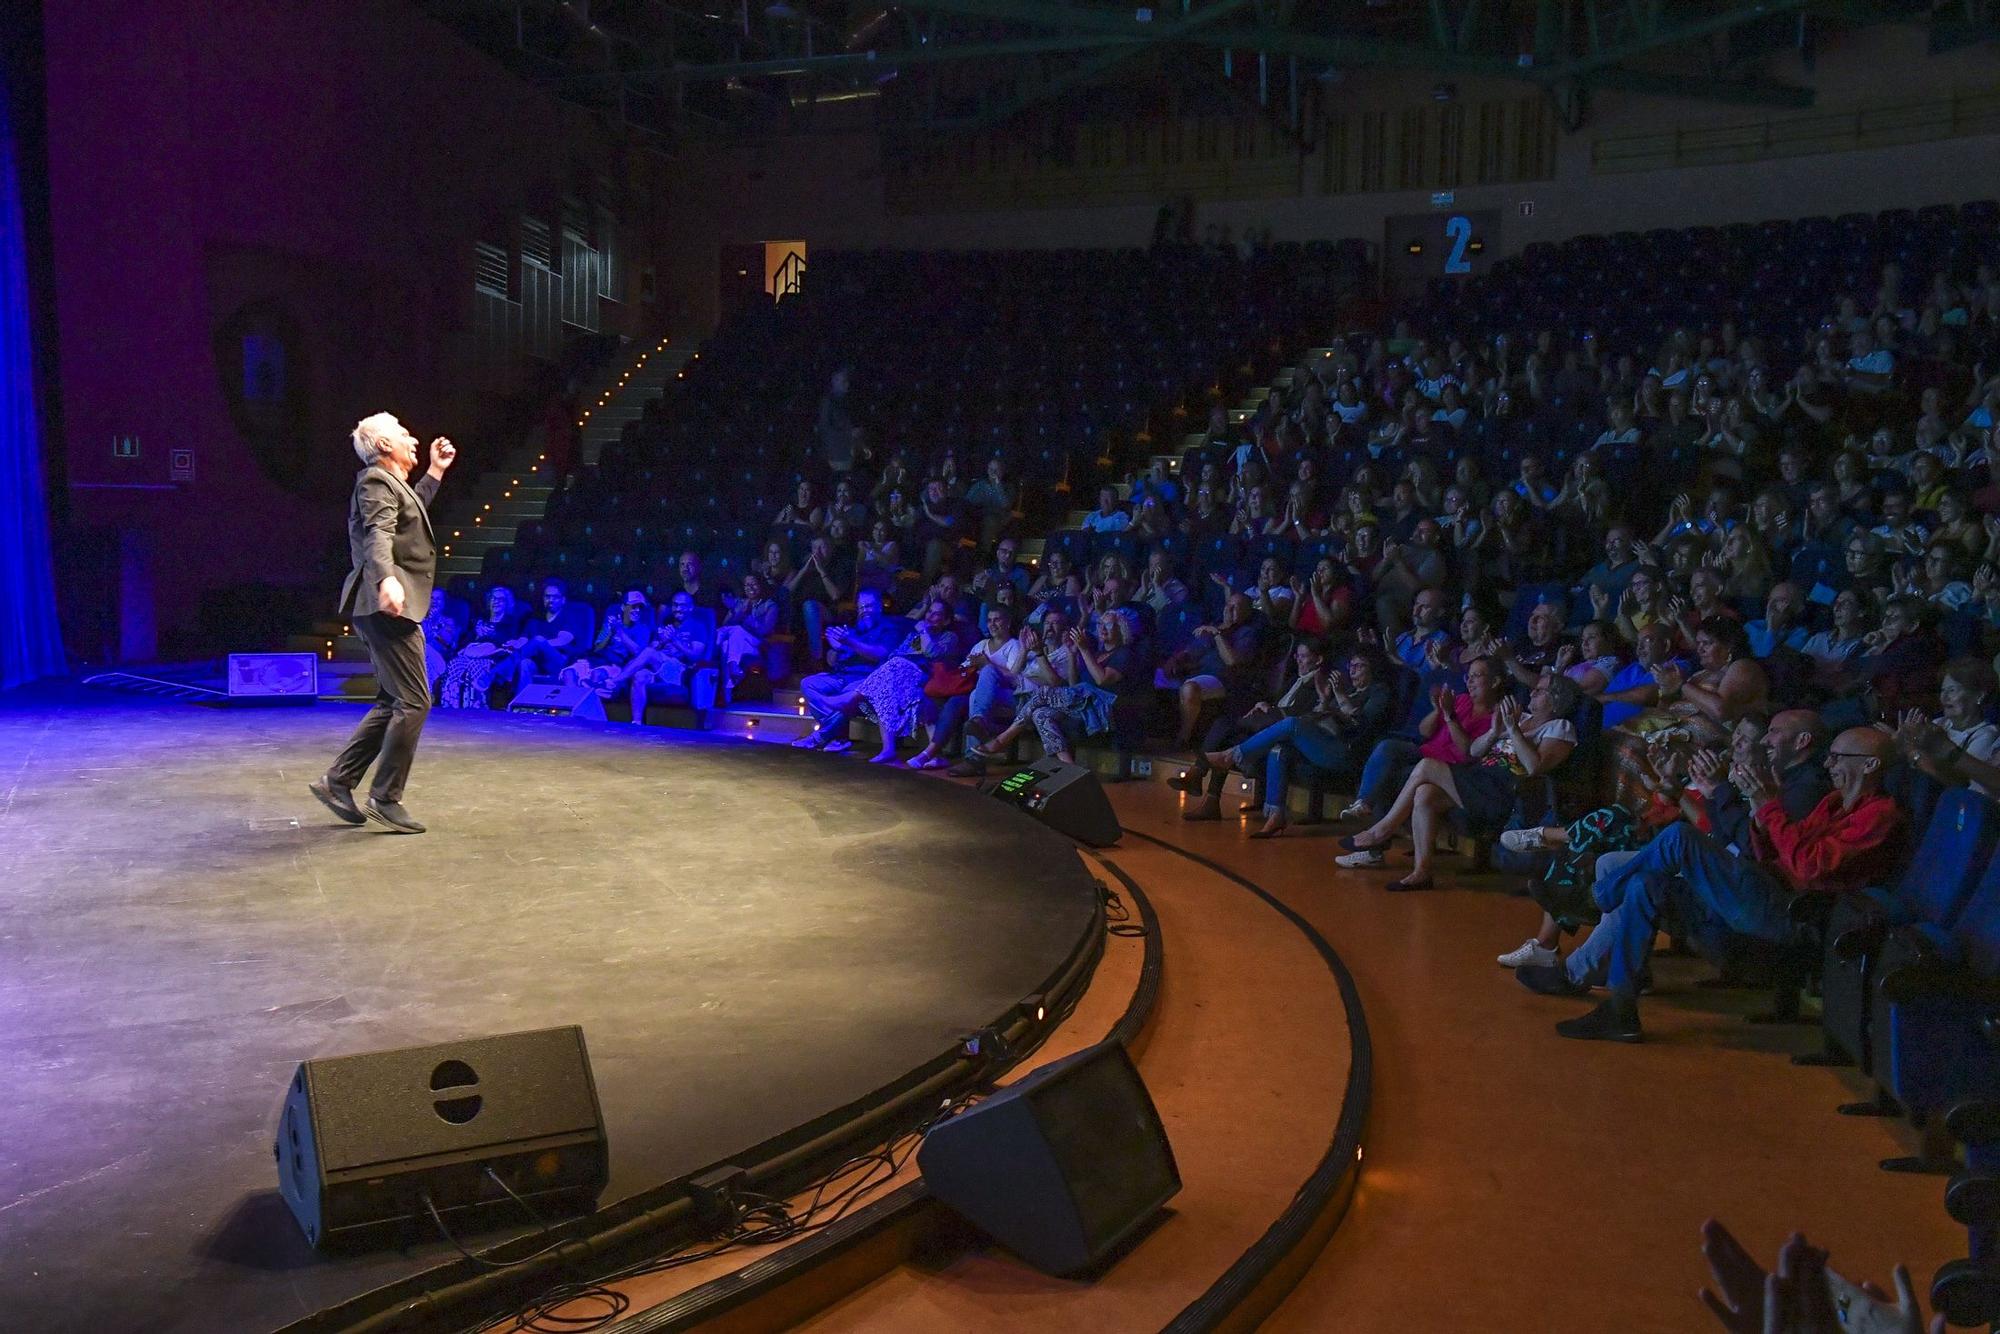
(750, 937)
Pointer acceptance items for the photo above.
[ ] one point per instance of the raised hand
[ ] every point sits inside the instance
(1600, 600)
(443, 454)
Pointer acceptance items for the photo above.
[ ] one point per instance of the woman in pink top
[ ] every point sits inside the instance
(1448, 731)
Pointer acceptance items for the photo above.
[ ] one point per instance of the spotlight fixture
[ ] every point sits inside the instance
(1036, 1008)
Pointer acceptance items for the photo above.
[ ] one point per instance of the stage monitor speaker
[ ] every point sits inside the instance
(364, 1140)
(1066, 797)
(559, 701)
(1062, 1167)
(273, 675)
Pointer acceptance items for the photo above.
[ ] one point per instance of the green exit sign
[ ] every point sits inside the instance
(124, 446)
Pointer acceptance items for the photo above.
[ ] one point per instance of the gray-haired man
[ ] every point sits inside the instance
(387, 594)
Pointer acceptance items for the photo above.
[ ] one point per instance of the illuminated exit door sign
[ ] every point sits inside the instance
(124, 446)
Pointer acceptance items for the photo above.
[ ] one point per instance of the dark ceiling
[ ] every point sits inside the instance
(677, 67)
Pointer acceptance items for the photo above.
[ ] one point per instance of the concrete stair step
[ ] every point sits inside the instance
(484, 534)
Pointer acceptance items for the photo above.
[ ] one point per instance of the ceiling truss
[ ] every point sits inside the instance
(673, 65)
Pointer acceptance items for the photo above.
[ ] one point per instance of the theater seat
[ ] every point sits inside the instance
(1935, 1008)
(1944, 873)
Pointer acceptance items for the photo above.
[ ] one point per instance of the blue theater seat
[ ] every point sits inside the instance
(1957, 845)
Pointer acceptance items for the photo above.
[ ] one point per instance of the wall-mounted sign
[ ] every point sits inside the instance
(180, 465)
(124, 446)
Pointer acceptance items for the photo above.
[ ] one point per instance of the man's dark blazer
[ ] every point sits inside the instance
(389, 532)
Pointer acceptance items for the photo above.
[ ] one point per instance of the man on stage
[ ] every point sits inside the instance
(387, 595)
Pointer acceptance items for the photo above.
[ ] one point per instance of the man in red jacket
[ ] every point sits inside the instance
(1845, 842)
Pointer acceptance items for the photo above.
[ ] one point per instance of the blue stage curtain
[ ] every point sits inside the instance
(30, 639)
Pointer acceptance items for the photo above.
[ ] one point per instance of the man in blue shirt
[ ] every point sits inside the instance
(1612, 574)
(851, 653)
(1107, 517)
(1004, 569)
(1633, 689)
(1159, 485)
(1426, 628)
(1783, 625)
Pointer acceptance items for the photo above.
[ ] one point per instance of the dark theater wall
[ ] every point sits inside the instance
(220, 168)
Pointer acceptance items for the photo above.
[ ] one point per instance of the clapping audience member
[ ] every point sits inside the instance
(816, 587)
(1205, 778)
(1112, 667)
(739, 640)
(994, 664)
(1802, 1295)
(1847, 841)
(626, 633)
(801, 510)
(1522, 743)
(682, 645)
(1446, 733)
(1222, 662)
(851, 653)
(469, 674)
(547, 644)
(1342, 719)
(880, 559)
(992, 498)
(893, 692)
(1961, 744)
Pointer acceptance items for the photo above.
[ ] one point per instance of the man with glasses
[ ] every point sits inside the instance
(1720, 891)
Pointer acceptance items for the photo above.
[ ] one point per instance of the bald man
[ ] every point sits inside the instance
(1850, 839)
(1792, 745)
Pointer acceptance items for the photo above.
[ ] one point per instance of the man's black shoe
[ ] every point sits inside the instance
(1616, 1020)
(339, 800)
(1549, 979)
(392, 814)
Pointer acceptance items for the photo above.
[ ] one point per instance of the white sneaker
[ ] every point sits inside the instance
(1354, 810)
(1530, 951)
(1521, 840)
(1366, 859)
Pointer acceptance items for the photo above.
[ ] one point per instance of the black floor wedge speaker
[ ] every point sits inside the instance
(370, 1144)
(559, 699)
(1061, 1168)
(1068, 798)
